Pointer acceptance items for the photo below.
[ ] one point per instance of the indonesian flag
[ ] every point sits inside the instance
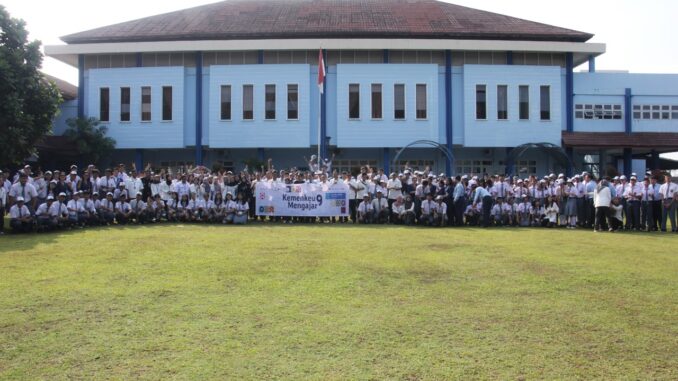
(321, 71)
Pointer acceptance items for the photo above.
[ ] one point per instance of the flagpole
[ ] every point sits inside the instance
(320, 98)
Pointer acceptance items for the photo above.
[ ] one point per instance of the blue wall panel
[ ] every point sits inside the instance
(458, 105)
(278, 133)
(386, 132)
(512, 132)
(138, 134)
(67, 110)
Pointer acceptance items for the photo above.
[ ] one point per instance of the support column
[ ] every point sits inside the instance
(569, 92)
(570, 166)
(81, 86)
(448, 111)
(592, 64)
(323, 112)
(387, 57)
(628, 162)
(198, 108)
(654, 160)
(139, 159)
(387, 161)
(628, 113)
(509, 163)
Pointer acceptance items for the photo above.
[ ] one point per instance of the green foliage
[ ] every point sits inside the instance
(28, 103)
(90, 139)
(280, 302)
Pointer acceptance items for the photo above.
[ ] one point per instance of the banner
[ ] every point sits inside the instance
(301, 200)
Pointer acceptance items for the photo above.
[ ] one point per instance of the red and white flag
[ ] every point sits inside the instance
(321, 71)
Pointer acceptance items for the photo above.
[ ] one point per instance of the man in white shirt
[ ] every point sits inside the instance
(138, 207)
(107, 209)
(123, 211)
(26, 191)
(380, 207)
(440, 212)
(633, 194)
(365, 210)
(59, 210)
(45, 220)
(20, 217)
(667, 192)
(89, 210)
(646, 198)
(525, 212)
(428, 209)
(394, 187)
(75, 210)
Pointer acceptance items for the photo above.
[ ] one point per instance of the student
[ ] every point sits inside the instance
(667, 193)
(525, 212)
(172, 207)
(107, 209)
(501, 213)
(25, 190)
(472, 214)
(459, 199)
(184, 209)
(394, 187)
(440, 212)
(89, 211)
(241, 210)
(646, 199)
(481, 194)
(123, 210)
(201, 207)
(602, 200)
(428, 208)
(46, 221)
(3, 203)
(571, 206)
(615, 218)
(380, 207)
(75, 211)
(552, 212)
(365, 210)
(156, 208)
(538, 214)
(20, 217)
(632, 194)
(138, 207)
(230, 208)
(217, 210)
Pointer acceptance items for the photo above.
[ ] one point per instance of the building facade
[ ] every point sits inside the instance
(419, 81)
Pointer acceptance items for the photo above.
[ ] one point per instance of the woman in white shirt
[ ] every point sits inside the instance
(602, 199)
(184, 209)
(230, 208)
(552, 211)
(241, 209)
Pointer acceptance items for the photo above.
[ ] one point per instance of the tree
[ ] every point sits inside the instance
(90, 139)
(28, 103)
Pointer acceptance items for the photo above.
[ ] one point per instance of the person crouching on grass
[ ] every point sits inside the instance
(89, 211)
(123, 210)
(380, 207)
(46, 221)
(75, 211)
(107, 209)
(365, 211)
(217, 212)
(138, 209)
(230, 207)
(184, 211)
(20, 217)
(552, 212)
(615, 219)
(440, 212)
(241, 210)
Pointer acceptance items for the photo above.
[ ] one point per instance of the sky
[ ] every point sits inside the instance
(640, 35)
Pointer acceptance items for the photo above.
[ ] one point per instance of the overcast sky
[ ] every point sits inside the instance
(640, 35)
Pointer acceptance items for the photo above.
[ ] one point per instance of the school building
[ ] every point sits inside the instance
(432, 83)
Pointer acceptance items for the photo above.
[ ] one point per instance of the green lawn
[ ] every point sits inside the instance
(337, 303)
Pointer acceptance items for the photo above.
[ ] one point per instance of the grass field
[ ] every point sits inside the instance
(337, 303)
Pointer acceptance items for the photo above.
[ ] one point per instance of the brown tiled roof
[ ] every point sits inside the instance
(285, 19)
(621, 139)
(68, 91)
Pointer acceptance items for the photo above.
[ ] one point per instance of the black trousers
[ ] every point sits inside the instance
(352, 206)
(487, 209)
(601, 215)
(633, 215)
(459, 208)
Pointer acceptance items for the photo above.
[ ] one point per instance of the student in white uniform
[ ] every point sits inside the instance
(667, 192)
(75, 210)
(107, 209)
(45, 220)
(217, 210)
(20, 217)
(138, 207)
(241, 210)
(440, 212)
(230, 208)
(525, 212)
(184, 209)
(552, 212)
(428, 210)
(365, 210)
(89, 211)
(123, 210)
(24, 189)
(501, 213)
(380, 207)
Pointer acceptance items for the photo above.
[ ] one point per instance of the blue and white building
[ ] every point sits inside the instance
(236, 81)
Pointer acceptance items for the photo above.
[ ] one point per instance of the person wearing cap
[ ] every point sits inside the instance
(41, 184)
(202, 210)
(106, 210)
(380, 207)
(138, 207)
(365, 212)
(59, 210)
(459, 199)
(646, 198)
(632, 194)
(26, 191)
(20, 220)
(45, 220)
(501, 213)
(427, 210)
(75, 210)
(398, 211)
(620, 191)
(122, 190)
(123, 210)
(73, 182)
(230, 207)
(656, 204)
(589, 209)
(669, 196)
(241, 210)
(89, 210)
(394, 188)
(571, 205)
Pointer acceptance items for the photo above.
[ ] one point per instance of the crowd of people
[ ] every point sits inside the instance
(50, 200)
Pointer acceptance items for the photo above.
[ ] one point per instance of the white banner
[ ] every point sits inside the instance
(301, 200)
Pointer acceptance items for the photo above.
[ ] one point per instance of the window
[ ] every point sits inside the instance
(545, 102)
(352, 166)
(636, 112)
(421, 101)
(145, 104)
(502, 102)
(125, 104)
(292, 101)
(104, 104)
(665, 112)
(479, 167)
(655, 112)
(526, 167)
(524, 99)
(376, 101)
(354, 101)
(270, 102)
(481, 102)
(167, 103)
(226, 102)
(399, 102)
(646, 112)
(674, 112)
(248, 102)
(604, 111)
